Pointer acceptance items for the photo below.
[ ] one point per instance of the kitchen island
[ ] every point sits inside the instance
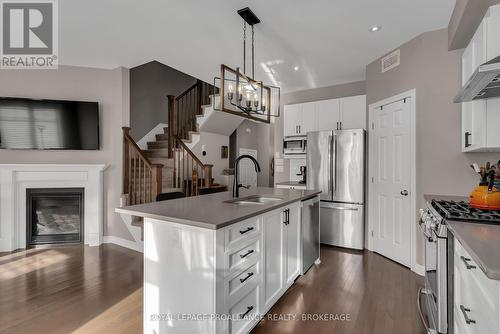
(214, 264)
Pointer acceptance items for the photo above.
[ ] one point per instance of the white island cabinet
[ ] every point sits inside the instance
(476, 306)
(202, 280)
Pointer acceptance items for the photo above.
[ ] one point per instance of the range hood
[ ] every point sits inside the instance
(483, 84)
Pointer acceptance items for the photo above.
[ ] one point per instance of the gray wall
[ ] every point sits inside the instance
(323, 93)
(435, 73)
(110, 89)
(149, 86)
(259, 138)
(466, 17)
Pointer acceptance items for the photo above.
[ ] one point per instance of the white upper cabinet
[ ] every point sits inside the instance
(328, 114)
(334, 114)
(480, 118)
(292, 119)
(353, 112)
(309, 118)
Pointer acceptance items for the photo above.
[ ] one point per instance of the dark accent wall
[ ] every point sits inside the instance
(149, 86)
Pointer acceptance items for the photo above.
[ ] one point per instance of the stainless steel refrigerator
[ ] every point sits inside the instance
(336, 165)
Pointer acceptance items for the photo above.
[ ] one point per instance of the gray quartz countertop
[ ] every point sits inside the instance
(291, 183)
(482, 242)
(211, 211)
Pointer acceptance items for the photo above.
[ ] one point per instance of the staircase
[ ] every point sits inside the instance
(169, 164)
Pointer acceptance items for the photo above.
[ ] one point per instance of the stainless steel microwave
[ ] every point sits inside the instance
(295, 147)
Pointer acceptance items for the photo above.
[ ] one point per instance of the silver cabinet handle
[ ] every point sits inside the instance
(466, 317)
(466, 260)
(404, 192)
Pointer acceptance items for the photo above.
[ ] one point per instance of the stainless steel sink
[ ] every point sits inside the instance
(253, 200)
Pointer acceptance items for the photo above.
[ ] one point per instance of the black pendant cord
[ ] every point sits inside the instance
(253, 54)
(244, 47)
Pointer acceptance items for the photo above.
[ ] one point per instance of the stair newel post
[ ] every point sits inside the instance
(156, 180)
(126, 161)
(208, 175)
(172, 123)
(199, 89)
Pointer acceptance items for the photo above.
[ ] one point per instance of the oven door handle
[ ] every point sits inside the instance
(422, 291)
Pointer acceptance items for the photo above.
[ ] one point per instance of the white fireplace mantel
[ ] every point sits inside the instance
(15, 179)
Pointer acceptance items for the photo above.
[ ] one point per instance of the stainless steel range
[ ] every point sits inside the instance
(437, 292)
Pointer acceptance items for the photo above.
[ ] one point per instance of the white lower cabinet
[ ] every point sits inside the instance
(199, 280)
(476, 297)
(281, 253)
(291, 240)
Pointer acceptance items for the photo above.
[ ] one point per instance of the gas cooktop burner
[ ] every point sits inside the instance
(463, 211)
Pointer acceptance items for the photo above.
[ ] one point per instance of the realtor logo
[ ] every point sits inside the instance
(29, 34)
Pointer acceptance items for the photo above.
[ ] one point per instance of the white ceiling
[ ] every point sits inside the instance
(328, 39)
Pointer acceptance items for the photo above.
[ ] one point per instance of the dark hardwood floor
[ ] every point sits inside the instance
(72, 289)
(378, 295)
(81, 290)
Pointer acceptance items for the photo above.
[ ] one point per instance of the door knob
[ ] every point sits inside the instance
(404, 192)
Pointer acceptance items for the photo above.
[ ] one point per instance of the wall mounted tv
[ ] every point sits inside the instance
(48, 124)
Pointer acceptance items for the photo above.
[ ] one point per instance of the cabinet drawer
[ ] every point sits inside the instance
(477, 308)
(483, 287)
(475, 292)
(242, 256)
(240, 232)
(242, 280)
(244, 312)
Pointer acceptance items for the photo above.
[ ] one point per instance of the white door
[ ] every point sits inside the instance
(391, 182)
(309, 118)
(292, 242)
(293, 117)
(247, 175)
(328, 114)
(353, 112)
(273, 256)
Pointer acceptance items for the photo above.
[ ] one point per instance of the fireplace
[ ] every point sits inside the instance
(54, 215)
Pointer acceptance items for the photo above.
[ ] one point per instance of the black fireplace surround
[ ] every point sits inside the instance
(54, 215)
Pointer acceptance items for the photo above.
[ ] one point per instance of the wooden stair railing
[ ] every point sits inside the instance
(190, 174)
(183, 109)
(142, 180)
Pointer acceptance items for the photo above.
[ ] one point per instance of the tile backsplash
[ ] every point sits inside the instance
(295, 169)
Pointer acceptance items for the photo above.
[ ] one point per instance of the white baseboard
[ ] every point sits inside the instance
(418, 269)
(138, 247)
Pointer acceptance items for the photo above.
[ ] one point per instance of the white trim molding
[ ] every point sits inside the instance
(15, 179)
(130, 244)
(412, 94)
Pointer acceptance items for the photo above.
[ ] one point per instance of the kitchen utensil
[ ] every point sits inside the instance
(486, 196)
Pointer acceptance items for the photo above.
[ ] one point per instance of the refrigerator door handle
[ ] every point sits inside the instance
(334, 165)
(330, 159)
(334, 206)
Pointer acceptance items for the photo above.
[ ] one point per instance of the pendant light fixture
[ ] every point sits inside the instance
(239, 92)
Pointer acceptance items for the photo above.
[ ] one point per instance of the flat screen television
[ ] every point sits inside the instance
(48, 124)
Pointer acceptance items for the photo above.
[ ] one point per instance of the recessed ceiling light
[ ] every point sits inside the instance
(295, 68)
(375, 28)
